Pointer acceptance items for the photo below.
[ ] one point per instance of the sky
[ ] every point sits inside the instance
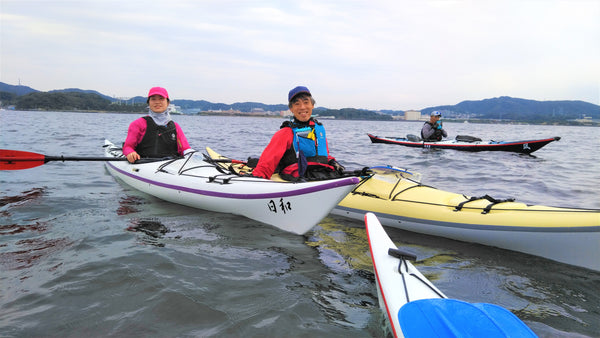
(372, 54)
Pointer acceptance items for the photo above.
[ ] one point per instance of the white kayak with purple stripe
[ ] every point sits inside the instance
(196, 182)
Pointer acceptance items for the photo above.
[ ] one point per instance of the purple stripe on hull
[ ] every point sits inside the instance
(330, 185)
(466, 226)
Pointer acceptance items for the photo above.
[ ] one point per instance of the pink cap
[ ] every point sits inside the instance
(158, 91)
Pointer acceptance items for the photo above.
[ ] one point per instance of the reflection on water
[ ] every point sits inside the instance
(25, 196)
(127, 205)
(12, 229)
(24, 243)
(150, 227)
(341, 246)
(28, 252)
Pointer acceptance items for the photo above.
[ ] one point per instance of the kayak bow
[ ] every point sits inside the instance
(416, 308)
(199, 183)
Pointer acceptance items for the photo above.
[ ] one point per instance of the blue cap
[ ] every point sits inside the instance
(296, 91)
(436, 113)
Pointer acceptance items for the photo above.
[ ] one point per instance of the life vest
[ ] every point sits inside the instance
(309, 139)
(158, 141)
(436, 136)
(312, 141)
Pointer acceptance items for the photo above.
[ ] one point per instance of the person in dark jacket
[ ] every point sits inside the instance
(432, 130)
(299, 149)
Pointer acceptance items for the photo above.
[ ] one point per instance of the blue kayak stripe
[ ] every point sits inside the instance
(400, 219)
(302, 191)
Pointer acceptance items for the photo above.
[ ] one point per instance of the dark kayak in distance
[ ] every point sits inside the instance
(467, 143)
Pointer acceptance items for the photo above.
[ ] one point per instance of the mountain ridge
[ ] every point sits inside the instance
(498, 108)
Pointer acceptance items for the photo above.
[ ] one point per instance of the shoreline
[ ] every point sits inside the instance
(242, 114)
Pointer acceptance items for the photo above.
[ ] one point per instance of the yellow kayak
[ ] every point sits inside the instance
(567, 235)
(395, 196)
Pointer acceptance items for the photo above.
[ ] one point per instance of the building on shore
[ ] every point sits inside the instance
(412, 115)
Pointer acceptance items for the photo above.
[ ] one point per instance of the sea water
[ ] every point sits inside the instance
(73, 265)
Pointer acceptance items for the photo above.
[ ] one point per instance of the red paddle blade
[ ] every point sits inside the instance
(17, 160)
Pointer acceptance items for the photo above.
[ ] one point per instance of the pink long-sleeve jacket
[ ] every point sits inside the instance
(136, 132)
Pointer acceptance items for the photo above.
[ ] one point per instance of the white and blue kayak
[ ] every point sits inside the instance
(200, 183)
(416, 308)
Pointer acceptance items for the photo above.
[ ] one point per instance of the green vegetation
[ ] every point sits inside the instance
(204, 106)
(63, 101)
(67, 101)
(355, 114)
(8, 98)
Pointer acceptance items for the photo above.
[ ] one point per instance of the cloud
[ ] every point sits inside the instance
(364, 54)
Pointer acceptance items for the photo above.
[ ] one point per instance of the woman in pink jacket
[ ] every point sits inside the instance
(155, 135)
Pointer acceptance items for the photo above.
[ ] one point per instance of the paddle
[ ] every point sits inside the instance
(367, 171)
(396, 173)
(441, 317)
(226, 160)
(17, 160)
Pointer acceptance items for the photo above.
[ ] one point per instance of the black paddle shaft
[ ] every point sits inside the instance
(71, 158)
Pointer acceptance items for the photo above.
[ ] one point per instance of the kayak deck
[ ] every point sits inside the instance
(194, 182)
(504, 223)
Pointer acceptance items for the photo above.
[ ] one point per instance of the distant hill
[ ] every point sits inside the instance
(18, 90)
(355, 114)
(502, 108)
(67, 101)
(509, 108)
(77, 90)
(202, 105)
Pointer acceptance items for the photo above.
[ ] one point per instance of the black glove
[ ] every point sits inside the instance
(338, 167)
(366, 171)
